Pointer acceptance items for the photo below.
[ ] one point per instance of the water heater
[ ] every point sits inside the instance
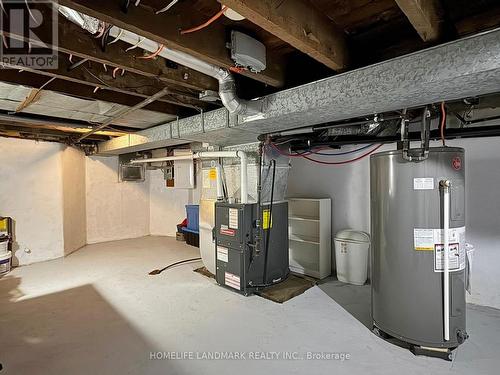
(416, 207)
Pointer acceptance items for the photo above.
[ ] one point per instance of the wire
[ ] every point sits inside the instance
(169, 5)
(203, 25)
(237, 69)
(312, 152)
(115, 70)
(157, 272)
(153, 55)
(286, 153)
(443, 122)
(135, 45)
(117, 37)
(341, 153)
(29, 11)
(345, 161)
(269, 223)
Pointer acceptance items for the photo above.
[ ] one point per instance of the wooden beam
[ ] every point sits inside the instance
(479, 22)
(300, 24)
(67, 127)
(87, 92)
(8, 130)
(425, 16)
(208, 44)
(74, 40)
(132, 84)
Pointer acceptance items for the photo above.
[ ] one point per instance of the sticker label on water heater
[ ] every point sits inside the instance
(432, 240)
(423, 183)
(456, 261)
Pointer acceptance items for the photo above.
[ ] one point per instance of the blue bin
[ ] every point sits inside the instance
(193, 217)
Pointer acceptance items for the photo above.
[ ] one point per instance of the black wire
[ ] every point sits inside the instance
(157, 272)
(270, 220)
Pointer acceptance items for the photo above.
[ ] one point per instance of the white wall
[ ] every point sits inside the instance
(74, 217)
(167, 207)
(31, 193)
(115, 210)
(349, 188)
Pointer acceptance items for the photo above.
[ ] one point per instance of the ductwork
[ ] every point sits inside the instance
(227, 85)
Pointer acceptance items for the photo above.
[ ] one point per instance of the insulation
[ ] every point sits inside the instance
(53, 104)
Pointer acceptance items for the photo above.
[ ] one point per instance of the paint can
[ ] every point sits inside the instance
(4, 245)
(5, 263)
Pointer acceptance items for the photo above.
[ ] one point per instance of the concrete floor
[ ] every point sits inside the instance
(99, 312)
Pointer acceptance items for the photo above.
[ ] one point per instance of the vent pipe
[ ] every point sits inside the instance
(227, 85)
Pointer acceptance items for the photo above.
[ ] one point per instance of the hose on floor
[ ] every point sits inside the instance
(157, 272)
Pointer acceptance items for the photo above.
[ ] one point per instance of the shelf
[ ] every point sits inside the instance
(302, 238)
(304, 218)
(309, 235)
(305, 271)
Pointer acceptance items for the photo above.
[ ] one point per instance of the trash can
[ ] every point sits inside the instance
(351, 255)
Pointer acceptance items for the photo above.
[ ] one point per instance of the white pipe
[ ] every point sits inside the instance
(220, 190)
(243, 176)
(227, 86)
(446, 266)
(212, 155)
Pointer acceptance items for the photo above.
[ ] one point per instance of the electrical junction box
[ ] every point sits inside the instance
(238, 264)
(248, 52)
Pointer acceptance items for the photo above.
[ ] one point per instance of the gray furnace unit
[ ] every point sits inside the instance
(412, 202)
(251, 254)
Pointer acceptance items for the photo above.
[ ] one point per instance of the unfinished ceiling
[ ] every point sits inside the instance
(99, 76)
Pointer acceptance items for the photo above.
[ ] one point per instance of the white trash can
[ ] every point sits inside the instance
(5, 263)
(351, 255)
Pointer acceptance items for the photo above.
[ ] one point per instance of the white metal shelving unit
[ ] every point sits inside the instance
(309, 231)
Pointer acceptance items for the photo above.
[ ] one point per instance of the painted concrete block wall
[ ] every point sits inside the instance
(349, 188)
(115, 210)
(167, 205)
(31, 192)
(74, 205)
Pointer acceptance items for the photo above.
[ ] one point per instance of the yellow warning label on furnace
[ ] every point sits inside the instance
(265, 219)
(3, 225)
(424, 248)
(213, 174)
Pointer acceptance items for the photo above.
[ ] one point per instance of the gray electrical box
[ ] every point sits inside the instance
(248, 52)
(241, 261)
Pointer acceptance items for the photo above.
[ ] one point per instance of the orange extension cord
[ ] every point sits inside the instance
(203, 25)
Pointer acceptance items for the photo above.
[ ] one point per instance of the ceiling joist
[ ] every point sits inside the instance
(425, 17)
(84, 91)
(95, 75)
(75, 41)
(301, 25)
(208, 44)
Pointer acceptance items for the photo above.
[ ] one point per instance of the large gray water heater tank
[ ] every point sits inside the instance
(407, 263)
